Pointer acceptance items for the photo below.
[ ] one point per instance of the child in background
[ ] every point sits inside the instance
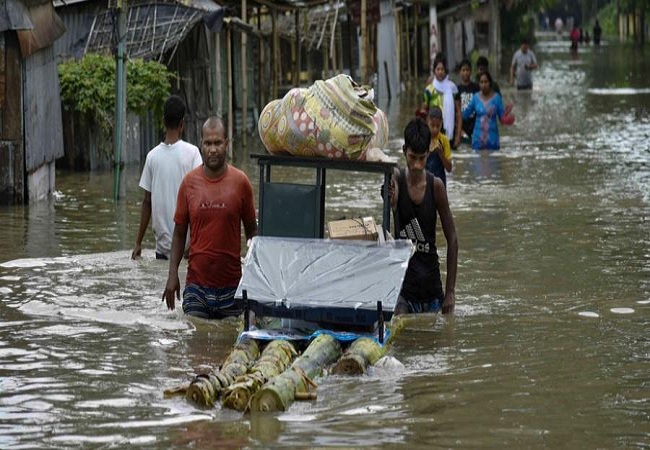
(467, 88)
(439, 158)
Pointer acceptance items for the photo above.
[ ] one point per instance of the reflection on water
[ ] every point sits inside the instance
(548, 346)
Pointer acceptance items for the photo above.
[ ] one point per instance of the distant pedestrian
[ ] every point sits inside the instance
(488, 107)
(467, 88)
(575, 38)
(597, 31)
(164, 169)
(523, 63)
(559, 24)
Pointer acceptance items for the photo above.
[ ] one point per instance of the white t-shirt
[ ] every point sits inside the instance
(521, 61)
(164, 169)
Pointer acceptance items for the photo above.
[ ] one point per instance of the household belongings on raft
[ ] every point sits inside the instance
(325, 303)
(334, 118)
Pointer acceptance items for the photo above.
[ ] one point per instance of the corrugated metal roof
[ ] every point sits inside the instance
(153, 27)
(14, 16)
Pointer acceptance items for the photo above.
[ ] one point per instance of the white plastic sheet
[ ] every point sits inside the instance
(324, 274)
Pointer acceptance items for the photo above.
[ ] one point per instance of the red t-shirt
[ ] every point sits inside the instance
(215, 210)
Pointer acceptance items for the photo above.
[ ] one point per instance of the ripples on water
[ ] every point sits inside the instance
(548, 346)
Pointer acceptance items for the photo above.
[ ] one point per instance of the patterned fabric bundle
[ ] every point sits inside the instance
(332, 118)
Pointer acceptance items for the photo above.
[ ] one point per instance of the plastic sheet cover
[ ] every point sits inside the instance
(324, 273)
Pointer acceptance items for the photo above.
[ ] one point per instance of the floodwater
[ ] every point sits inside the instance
(548, 348)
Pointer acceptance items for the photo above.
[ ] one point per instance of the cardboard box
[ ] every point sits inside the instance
(359, 229)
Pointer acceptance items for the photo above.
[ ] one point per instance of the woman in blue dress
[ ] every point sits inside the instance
(488, 107)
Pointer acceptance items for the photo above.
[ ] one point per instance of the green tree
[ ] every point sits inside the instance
(518, 18)
(88, 87)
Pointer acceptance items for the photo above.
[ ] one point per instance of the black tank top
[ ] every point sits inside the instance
(418, 223)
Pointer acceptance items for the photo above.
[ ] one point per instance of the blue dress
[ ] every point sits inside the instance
(486, 128)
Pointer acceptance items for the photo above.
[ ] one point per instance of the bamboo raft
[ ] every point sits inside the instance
(267, 371)
(280, 375)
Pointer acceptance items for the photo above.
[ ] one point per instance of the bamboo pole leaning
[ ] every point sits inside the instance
(275, 359)
(296, 382)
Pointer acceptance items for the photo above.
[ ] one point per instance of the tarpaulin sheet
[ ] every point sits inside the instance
(324, 274)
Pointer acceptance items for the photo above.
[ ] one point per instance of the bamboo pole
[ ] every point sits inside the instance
(364, 43)
(362, 353)
(398, 46)
(295, 50)
(244, 75)
(351, 30)
(218, 100)
(205, 389)
(373, 48)
(280, 392)
(275, 358)
(230, 99)
(332, 38)
(307, 47)
(408, 45)
(292, 74)
(260, 60)
(416, 40)
(274, 51)
(339, 46)
(365, 352)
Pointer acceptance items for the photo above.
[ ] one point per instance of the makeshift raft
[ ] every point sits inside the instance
(327, 305)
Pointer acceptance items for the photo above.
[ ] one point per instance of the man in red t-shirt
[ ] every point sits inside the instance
(214, 200)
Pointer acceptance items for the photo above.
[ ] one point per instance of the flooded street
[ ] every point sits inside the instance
(548, 348)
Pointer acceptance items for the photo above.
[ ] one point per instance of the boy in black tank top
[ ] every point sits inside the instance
(417, 198)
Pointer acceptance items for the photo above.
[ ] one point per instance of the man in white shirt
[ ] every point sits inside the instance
(523, 63)
(164, 169)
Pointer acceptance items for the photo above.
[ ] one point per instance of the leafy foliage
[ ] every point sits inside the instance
(88, 87)
(147, 86)
(518, 23)
(608, 19)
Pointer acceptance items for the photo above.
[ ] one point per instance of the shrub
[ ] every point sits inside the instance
(88, 87)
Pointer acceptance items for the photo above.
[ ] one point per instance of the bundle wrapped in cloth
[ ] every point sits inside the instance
(334, 118)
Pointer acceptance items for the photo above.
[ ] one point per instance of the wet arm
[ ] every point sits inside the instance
(250, 229)
(449, 229)
(393, 190)
(173, 286)
(145, 217)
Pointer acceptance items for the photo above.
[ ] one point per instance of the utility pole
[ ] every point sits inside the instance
(120, 7)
